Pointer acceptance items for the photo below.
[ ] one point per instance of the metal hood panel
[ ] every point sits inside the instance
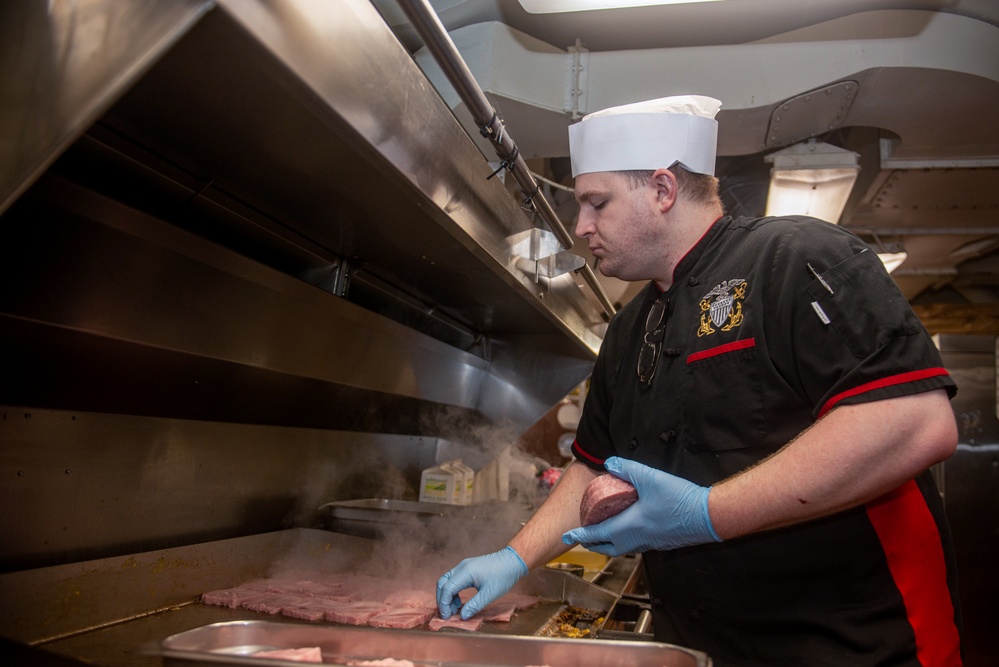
(62, 64)
(301, 137)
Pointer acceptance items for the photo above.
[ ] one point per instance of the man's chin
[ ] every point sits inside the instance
(605, 270)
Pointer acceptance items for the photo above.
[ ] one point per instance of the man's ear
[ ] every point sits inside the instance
(666, 188)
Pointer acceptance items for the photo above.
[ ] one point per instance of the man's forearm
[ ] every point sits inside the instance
(852, 455)
(540, 540)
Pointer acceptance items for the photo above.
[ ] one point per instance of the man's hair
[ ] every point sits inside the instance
(699, 188)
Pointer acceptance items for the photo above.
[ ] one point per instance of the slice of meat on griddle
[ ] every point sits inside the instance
(273, 603)
(500, 611)
(416, 598)
(401, 618)
(471, 625)
(354, 613)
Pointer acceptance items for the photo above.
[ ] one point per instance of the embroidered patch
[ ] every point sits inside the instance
(722, 307)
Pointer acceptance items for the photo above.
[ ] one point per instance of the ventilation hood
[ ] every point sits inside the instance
(262, 212)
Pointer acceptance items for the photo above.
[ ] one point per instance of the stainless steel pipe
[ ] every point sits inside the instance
(435, 36)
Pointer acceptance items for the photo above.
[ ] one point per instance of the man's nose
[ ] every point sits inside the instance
(584, 227)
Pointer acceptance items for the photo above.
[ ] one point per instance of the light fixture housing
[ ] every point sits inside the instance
(892, 260)
(561, 6)
(811, 178)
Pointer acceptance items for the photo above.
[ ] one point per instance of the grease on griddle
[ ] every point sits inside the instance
(574, 622)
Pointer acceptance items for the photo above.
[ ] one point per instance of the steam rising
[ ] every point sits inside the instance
(404, 540)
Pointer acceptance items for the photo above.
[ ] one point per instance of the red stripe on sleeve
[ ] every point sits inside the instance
(579, 450)
(912, 546)
(902, 378)
(722, 349)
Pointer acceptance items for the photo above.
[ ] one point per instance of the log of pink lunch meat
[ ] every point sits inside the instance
(604, 497)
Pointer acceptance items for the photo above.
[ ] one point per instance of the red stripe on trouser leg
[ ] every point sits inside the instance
(912, 546)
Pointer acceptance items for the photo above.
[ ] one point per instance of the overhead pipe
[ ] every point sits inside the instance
(438, 42)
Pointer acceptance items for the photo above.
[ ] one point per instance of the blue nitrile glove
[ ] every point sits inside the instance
(493, 575)
(670, 512)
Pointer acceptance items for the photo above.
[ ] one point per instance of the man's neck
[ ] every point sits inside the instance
(690, 223)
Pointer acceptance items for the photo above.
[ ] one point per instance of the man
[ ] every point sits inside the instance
(775, 403)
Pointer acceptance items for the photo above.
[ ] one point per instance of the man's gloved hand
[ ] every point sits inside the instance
(670, 513)
(493, 575)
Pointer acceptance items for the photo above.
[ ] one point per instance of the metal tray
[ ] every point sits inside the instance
(405, 511)
(492, 523)
(232, 643)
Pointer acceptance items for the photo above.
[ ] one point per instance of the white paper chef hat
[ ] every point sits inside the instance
(647, 135)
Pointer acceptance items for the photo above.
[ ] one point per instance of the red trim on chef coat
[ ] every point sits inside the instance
(722, 349)
(902, 378)
(590, 457)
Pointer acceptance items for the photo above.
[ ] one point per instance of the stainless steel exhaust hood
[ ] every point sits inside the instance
(245, 236)
(301, 137)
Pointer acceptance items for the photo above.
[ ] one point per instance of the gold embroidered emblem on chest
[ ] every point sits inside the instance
(722, 307)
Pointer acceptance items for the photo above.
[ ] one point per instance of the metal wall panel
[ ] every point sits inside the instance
(971, 491)
(83, 485)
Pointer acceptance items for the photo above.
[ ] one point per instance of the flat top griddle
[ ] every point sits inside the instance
(116, 611)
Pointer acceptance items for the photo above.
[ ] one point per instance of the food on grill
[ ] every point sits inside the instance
(272, 603)
(604, 497)
(307, 610)
(355, 612)
(356, 600)
(401, 619)
(471, 625)
(418, 598)
(311, 654)
(499, 611)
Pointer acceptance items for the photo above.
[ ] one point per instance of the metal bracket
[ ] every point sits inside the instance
(579, 58)
(811, 114)
(540, 256)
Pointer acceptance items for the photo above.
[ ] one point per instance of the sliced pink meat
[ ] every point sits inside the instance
(604, 497)
(402, 618)
(314, 588)
(310, 654)
(227, 597)
(354, 613)
(365, 587)
(472, 624)
(500, 611)
(273, 603)
(311, 610)
(418, 598)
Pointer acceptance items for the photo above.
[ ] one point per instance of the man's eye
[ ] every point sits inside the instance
(599, 206)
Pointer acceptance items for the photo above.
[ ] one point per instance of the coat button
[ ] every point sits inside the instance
(693, 282)
(666, 436)
(633, 444)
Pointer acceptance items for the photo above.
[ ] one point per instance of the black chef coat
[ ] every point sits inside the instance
(770, 323)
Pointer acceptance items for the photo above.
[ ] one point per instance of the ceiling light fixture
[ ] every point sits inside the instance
(892, 260)
(559, 6)
(811, 178)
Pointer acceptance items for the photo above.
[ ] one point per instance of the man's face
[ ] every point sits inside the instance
(622, 225)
